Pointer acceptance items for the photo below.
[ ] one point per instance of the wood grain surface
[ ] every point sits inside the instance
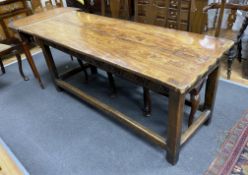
(7, 165)
(172, 58)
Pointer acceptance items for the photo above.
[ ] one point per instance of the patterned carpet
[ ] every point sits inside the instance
(233, 156)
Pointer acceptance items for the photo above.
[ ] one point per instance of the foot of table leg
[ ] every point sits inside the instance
(175, 118)
(147, 102)
(210, 93)
(19, 60)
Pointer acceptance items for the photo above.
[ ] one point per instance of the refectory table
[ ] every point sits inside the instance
(160, 59)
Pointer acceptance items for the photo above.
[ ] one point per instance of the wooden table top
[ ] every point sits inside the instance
(173, 58)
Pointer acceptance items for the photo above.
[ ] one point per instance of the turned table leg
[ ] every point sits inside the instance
(174, 125)
(112, 84)
(210, 93)
(2, 66)
(195, 99)
(147, 102)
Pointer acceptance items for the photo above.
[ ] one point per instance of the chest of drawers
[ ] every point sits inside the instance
(11, 10)
(177, 14)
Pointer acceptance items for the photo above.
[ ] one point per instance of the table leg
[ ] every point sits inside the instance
(210, 93)
(147, 102)
(174, 128)
(50, 63)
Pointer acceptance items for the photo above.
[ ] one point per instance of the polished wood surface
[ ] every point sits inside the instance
(179, 58)
(40, 17)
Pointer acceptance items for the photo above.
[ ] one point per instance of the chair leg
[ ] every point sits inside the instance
(112, 84)
(2, 66)
(84, 69)
(147, 102)
(19, 60)
(229, 67)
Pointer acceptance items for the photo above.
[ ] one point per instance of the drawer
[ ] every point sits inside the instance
(142, 10)
(143, 1)
(185, 5)
(160, 3)
(161, 13)
(173, 3)
(184, 26)
(11, 7)
(172, 24)
(172, 14)
(159, 22)
(184, 16)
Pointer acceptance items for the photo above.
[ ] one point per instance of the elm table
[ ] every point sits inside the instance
(163, 60)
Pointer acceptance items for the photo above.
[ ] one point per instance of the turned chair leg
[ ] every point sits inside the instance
(2, 66)
(111, 84)
(229, 67)
(19, 60)
(80, 62)
(147, 102)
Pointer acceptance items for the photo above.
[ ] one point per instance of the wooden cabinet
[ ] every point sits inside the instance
(177, 14)
(11, 10)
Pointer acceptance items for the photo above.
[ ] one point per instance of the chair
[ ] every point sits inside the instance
(10, 50)
(9, 11)
(218, 30)
(37, 6)
(118, 8)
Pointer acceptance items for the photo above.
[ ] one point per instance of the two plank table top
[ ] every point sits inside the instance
(154, 57)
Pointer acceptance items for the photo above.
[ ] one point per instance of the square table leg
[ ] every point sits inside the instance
(210, 92)
(174, 128)
(50, 63)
